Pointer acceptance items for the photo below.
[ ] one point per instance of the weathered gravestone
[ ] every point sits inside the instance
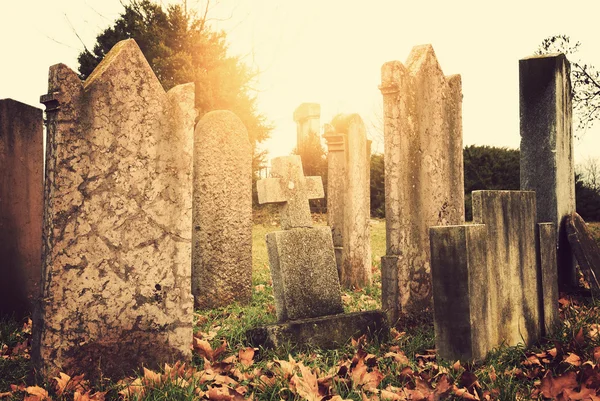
(21, 204)
(348, 198)
(423, 174)
(547, 147)
(308, 123)
(222, 211)
(305, 282)
(585, 248)
(494, 281)
(117, 220)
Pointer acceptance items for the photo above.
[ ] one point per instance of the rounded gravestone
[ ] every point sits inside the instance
(222, 211)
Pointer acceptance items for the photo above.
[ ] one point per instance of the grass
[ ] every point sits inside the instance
(406, 362)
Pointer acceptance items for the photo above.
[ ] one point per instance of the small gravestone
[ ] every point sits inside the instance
(306, 286)
(585, 248)
(222, 212)
(21, 205)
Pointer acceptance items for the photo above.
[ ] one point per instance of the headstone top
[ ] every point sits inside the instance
(289, 186)
(306, 111)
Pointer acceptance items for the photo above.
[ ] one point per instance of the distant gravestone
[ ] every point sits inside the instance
(308, 122)
(547, 147)
(307, 290)
(305, 281)
(494, 280)
(424, 180)
(21, 204)
(222, 211)
(117, 221)
(585, 248)
(348, 198)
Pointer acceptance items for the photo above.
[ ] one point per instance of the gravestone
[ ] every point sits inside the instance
(585, 248)
(21, 204)
(348, 198)
(424, 180)
(305, 281)
(306, 287)
(222, 212)
(308, 122)
(117, 221)
(547, 147)
(493, 280)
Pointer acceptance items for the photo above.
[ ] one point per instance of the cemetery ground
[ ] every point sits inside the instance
(565, 366)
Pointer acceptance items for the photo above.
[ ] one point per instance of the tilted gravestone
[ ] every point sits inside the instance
(348, 198)
(585, 248)
(495, 280)
(117, 220)
(305, 282)
(222, 211)
(21, 204)
(424, 180)
(547, 147)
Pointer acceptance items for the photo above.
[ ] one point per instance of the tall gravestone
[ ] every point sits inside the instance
(424, 182)
(222, 211)
(348, 198)
(117, 220)
(547, 147)
(21, 204)
(494, 280)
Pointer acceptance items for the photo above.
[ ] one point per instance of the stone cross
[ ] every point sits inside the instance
(289, 187)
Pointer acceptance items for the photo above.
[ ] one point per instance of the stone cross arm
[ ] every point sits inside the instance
(290, 188)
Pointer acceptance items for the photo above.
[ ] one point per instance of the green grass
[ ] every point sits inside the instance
(503, 375)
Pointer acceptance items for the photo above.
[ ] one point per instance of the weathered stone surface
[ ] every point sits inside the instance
(546, 254)
(222, 211)
(459, 270)
(117, 220)
(308, 120)
(510, 220)
(323, 332)
(305, 281)
(494, 281)
(349, 216)
(547, 147)
(21, 204)
(424, 181)
(585, 248)
(289, 187)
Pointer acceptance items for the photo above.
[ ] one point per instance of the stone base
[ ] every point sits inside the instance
(325, 332)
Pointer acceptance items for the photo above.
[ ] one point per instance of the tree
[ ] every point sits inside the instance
(585, 81)
(377, 185)
(181, 48)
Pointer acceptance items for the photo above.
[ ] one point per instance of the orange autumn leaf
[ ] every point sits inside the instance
(597, 354)
(552, 387)
(573, 359)
(361, 377)
(246, 356)
(398, 357)
(87, 396)
(36, 393)
(306, 386)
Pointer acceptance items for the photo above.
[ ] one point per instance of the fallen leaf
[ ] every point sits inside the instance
(552, 387)
(246, 356)
(305, 386)
(573, 359)
(398, 357)
(36, 393)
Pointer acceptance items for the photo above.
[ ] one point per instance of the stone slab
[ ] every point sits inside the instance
(547, 159)
(460, 297)
(305, 281)
(21, 206)
(585, 248)
(326, 332)
(117, 221)
(548, 274)
(222, 212)
(510, 220)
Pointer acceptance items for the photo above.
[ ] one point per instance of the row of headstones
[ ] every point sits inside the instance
(138, 211)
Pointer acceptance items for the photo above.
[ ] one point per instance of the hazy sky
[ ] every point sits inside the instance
(331, 52)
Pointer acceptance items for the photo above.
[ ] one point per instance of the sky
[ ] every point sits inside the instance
(330, 52)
